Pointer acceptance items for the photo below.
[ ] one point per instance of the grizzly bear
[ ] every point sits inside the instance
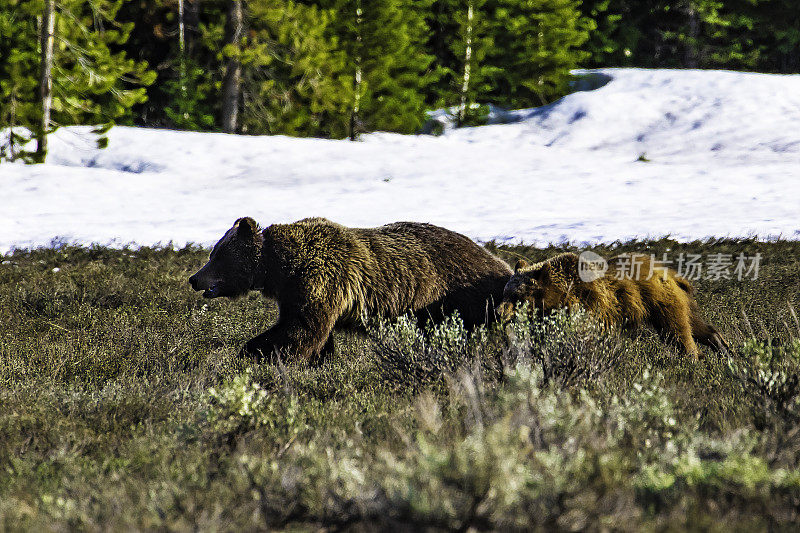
(325, 276)
(632, 292)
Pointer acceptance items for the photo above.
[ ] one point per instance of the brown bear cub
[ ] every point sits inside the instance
(325, 276)
(631, 293)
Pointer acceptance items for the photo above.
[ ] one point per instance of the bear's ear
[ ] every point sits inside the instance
(246, 227)
(521, 263)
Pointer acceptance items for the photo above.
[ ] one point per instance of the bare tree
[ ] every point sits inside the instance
(46, 37)
(692, 50)
(462, 110)
(192, 23)
(354, 119)
(232, 81)
(182, 50)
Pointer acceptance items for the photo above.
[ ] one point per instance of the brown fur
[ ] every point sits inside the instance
(652, 295)
(325, 276)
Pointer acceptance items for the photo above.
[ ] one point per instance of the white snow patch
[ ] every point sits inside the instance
(723, 151)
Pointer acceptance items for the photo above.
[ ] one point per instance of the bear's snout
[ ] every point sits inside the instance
(201, 282)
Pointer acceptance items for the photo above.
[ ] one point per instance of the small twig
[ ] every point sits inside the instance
(59, 327)
(283, 373)
(286, 447)
(747, 323)
(794, 316)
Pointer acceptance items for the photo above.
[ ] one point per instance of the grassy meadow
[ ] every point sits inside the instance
(124, 406)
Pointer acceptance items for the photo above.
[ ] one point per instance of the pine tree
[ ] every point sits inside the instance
(443, 32)
(678, 33)
(294, 78)
(19, 65)
(184, 97)
(608, 44)
(727, 36)
(383, 43)
(396, 67)
(536, 44)
(91, 83)
(774, 30)
(704, 34)
(461, 40)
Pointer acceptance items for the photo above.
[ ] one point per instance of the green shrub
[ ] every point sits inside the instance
(239, 406)
(411, 356)
(571, 348)
(769, 372)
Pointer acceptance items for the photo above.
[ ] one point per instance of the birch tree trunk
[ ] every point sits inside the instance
(12, 120)
(357, 78)
(462, 110)
(191, 17)
(46, 77)
(693, 41)
(182, 50)
(232, 81)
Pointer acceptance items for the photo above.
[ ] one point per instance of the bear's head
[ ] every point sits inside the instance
(233, 267)
(542, 286)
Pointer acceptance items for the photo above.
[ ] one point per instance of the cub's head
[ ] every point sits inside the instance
(542, 286)
(232, 267)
